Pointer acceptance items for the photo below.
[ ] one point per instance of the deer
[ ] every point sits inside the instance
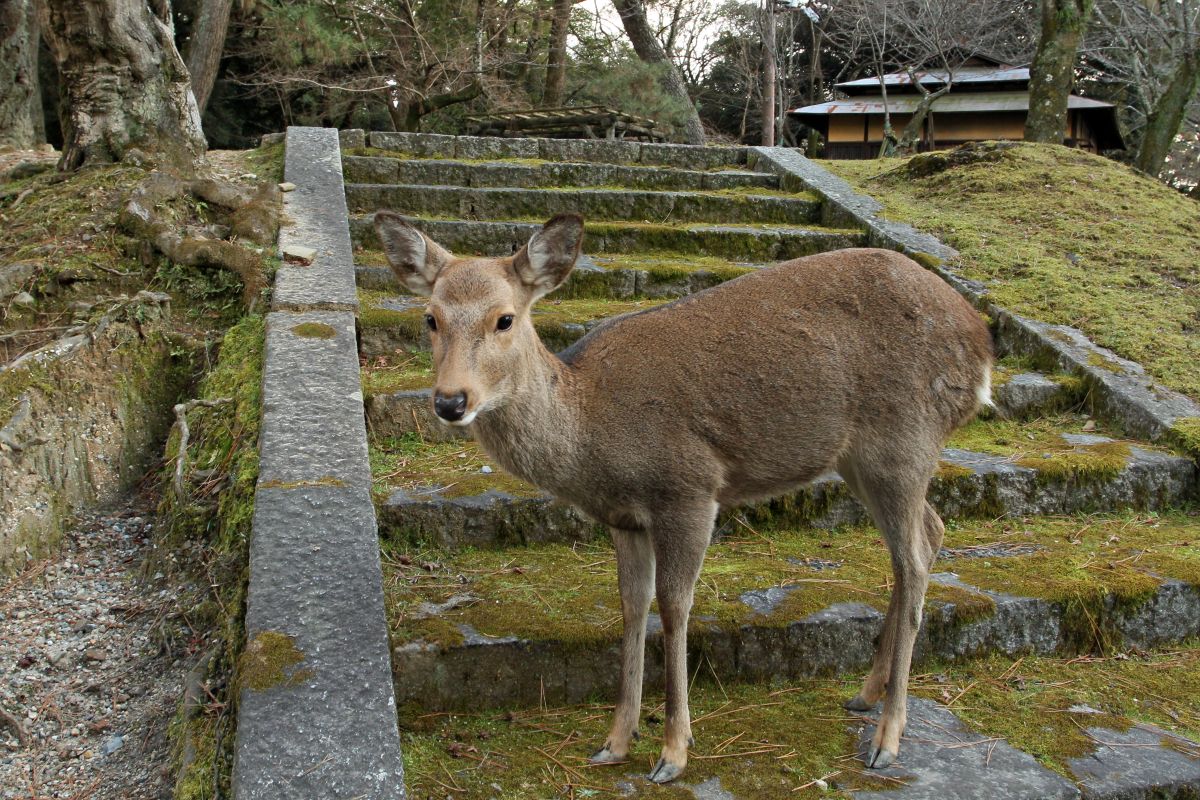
(857, 360)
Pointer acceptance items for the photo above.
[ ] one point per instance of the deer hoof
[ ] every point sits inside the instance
(606, 756)
(879, 758)
(665, 772)
(857, 703)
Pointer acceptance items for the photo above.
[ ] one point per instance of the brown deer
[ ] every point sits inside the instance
(855, 360)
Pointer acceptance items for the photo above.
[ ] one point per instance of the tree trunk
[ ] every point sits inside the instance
(556, 62)
(1162, 126)
(633, 17)
(1053, 69)
(21, 123)
(205, 46)
(768, 78)
(910, 137)
(124, 83)
(406, 116)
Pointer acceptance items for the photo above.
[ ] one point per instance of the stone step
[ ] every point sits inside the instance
(553, 174)
(432, 145)
(766, 742)
(464, 500)
(619, 276)
(524, 627)
(757, 243)
(631, 205)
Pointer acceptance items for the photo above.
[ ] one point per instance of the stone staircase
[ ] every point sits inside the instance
(498, 597)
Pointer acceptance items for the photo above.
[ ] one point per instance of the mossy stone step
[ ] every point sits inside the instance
(757, 243)
(622, 276)
(633, 205)
(432, 145)
(474, 504)
(523, 627)
(992, 729)
(533, 174)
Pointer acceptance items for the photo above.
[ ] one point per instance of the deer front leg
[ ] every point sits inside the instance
(680, 553)
(635, 578)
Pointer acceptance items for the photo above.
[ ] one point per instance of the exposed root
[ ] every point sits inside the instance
(181, 410)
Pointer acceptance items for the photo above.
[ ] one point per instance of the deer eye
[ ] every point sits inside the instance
(431, 322)
(504, 323)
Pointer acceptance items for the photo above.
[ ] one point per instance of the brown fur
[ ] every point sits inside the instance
(856, 360)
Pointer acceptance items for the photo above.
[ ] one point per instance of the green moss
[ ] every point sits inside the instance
(270, 660)
(411, 371)
(1027, 701)
(947, 471)
(1186, 433)
(408, 462)
(267, 161)
(1065, 237)
(1093, 462)
(759, 741)
(314, 330)
(1097, 360)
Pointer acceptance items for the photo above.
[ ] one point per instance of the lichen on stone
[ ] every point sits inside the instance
(314, 330)
(269, 660)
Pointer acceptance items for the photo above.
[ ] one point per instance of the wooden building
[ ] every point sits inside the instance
(987, 101)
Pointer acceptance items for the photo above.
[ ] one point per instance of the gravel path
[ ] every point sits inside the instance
(85, 691)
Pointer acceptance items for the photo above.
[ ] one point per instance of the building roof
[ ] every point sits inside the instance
(937, 77)
(952, 103)
(1101, 116)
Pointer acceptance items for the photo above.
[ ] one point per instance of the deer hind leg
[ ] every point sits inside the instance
(896, 499)
(680, 542)
(635, 578)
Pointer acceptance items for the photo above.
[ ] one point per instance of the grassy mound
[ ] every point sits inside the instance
(1066, 237)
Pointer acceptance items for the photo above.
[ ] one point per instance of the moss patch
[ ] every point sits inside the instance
(1066, 237)
(761, 742)
(404, 371)
(270, 660)
(456, 468)
(1186, 433)
(314, 330)
(1028, 701)
(1038, 444)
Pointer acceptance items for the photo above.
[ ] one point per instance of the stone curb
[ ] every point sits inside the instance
(993, 487)
(316, 713)
(739, 243)
(497, 671)
(636, 205)
(434, 145)
(1124, 391)
(444, 172)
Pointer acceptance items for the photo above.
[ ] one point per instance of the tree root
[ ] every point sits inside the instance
(14, 723)
(181, 410)
(253, 216)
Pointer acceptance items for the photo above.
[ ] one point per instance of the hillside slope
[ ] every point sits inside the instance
(1062, 236)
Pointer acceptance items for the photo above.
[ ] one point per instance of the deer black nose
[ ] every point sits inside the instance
(450, 407)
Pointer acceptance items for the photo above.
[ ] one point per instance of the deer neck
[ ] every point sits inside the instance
(535, 433)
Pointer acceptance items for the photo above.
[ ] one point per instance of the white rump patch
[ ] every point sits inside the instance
(984, 392)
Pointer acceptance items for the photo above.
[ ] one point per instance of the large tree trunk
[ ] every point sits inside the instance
(1053, 69)
(1162, 126)
(204, 47)
(768, 78)
(406, 115)
(556, 62)
(633, 17)
(21, 123)
(124, 83)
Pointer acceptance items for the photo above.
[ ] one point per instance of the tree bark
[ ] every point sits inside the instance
(1165, 119)
(21, 123)
(910, 137)
(633, 17)
(124, 84)
(1053, 69)
(768, 78)
(556, 61)
(407, 115)
(204, 47)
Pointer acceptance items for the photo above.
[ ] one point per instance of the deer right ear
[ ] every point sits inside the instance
(414, 257)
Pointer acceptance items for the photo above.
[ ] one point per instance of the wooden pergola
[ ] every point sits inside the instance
(574, 122)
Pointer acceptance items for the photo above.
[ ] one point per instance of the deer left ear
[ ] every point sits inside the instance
(546, 261)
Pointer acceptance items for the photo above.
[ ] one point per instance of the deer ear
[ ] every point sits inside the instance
(546, 261)
(414, 257)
